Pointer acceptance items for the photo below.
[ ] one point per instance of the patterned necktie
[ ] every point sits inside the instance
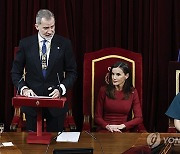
(44, 58)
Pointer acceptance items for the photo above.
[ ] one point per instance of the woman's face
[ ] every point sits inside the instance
(118, 78)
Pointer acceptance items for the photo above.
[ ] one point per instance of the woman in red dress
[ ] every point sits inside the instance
(115, 101)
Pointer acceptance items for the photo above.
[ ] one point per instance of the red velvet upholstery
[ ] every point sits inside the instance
(95, 69)
(18, 121)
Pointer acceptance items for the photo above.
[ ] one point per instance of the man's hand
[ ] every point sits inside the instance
(28, 92)
(55, 94)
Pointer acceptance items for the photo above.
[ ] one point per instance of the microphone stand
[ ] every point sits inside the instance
(102, 151)
(59, 133)
(23, 77)
(60, 91)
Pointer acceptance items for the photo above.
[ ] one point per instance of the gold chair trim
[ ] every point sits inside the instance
(177, 81)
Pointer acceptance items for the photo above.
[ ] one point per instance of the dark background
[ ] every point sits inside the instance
(149, 27)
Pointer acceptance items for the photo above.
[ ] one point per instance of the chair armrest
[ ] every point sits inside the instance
(16, 119)
(172, 128)
(86, 123)
(69, 122)
(14, 123)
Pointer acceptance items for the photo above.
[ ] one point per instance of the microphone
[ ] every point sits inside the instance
(102, 151)
(59, 133)
(51, 88)
(23, 77)
(60, 91)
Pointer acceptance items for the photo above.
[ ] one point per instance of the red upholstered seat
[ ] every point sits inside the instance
(95, 69)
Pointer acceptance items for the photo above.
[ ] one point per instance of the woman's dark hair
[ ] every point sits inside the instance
(127, 87)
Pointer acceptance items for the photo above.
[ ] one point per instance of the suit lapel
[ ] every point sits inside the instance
(36, 56)
(53, 54)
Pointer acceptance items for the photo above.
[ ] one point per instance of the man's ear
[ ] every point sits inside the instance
(36, 26)
(127, 75)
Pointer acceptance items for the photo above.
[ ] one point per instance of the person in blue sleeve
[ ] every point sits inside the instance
(174, 111)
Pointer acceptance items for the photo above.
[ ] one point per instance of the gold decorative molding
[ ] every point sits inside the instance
(93, 75)
(177, 81)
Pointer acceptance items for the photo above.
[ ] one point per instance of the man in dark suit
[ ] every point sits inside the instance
(50, 70)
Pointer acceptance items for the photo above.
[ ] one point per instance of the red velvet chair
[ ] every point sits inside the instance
(95, 69)
(18, 121)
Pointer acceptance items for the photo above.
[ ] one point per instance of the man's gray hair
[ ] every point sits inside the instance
(43, 13)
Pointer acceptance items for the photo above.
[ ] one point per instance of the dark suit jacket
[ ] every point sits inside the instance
(61, 59)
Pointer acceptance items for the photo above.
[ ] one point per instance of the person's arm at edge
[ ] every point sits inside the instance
(177, 124)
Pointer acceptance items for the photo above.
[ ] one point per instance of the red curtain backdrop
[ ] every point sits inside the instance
(150, 27)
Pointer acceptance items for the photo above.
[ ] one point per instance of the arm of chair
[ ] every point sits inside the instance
(14, 123)
(86, 123)
(69, 122)
(17, 122)
(172, 128)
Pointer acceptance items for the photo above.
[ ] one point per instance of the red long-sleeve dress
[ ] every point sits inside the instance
(115, 111)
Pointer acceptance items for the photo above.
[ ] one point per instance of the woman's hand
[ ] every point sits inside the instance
(121, 126)
(115, 128)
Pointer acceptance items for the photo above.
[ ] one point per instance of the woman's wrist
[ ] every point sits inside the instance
(122, 126)
(107, 126)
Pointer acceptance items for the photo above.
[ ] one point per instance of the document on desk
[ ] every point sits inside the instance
(45, 97)
(7, 144)
(68, 137)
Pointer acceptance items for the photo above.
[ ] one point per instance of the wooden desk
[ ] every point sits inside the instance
(112, 143)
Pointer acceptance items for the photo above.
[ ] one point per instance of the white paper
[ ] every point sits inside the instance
(40, 97)
(7, 144)
(68, 137)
